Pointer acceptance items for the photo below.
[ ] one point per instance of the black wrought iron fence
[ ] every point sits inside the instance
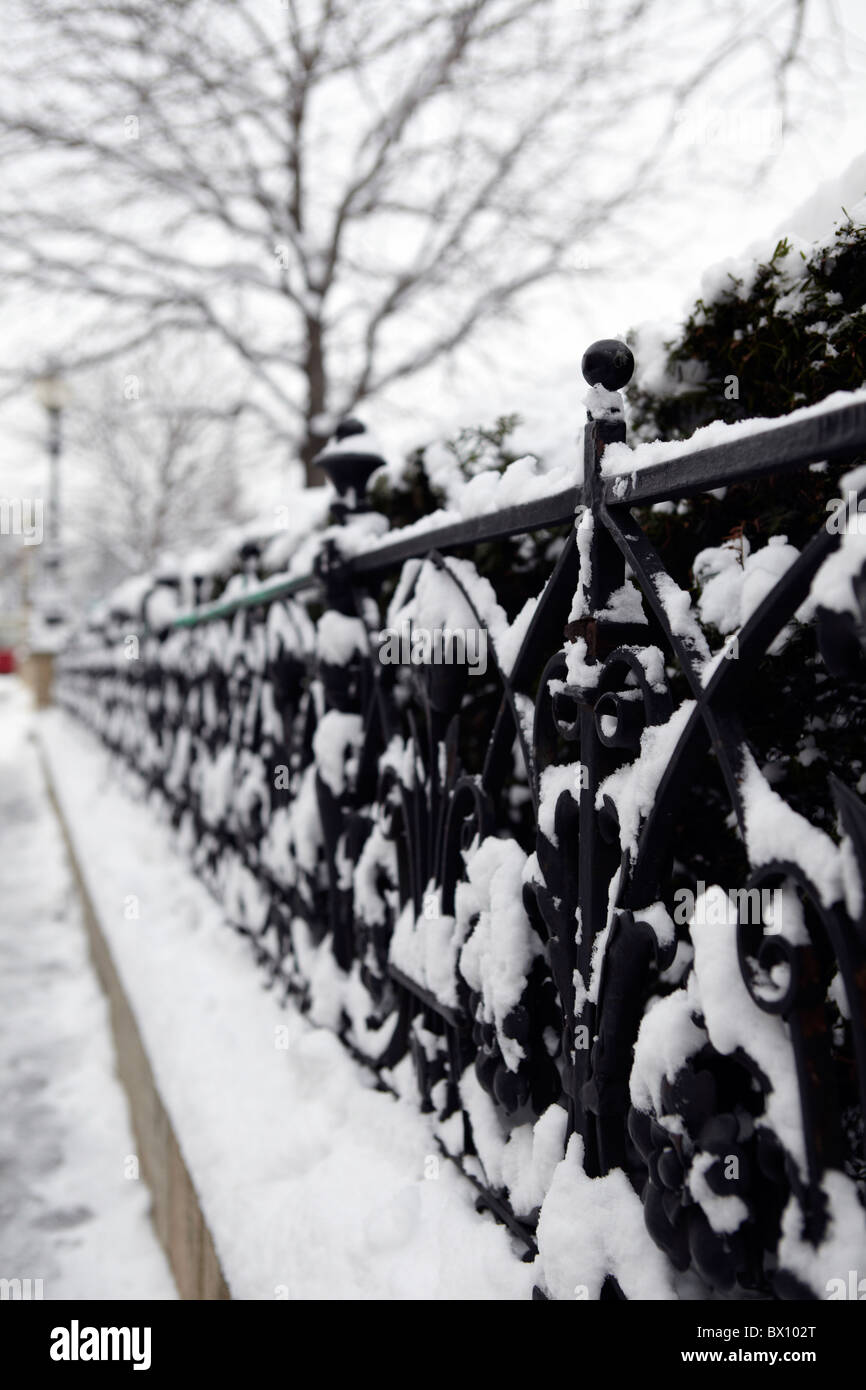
(532, 862)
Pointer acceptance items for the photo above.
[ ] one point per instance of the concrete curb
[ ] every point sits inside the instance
(176, 1212)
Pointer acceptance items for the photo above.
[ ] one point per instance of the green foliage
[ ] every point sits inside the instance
(412, 496)
(788, 338)
(475, 449)
(481, 450)
(791, 337)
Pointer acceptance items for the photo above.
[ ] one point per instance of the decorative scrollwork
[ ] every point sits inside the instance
(555, 896)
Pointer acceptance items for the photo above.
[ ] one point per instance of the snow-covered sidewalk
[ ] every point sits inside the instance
(313, 1184)
(70, 1214)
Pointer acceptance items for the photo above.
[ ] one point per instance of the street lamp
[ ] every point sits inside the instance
(53, 394)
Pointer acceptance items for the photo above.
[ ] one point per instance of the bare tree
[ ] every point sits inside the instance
(341, 191)
(152, 467)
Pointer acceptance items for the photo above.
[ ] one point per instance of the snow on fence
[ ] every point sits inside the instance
(551, 894)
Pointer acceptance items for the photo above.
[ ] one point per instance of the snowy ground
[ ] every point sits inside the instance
(68, 1214)
(313, 1184)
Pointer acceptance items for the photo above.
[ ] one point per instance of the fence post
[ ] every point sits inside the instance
(607, 367)
(349, 465)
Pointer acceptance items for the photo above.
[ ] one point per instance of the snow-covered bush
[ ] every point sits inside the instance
(765, 337)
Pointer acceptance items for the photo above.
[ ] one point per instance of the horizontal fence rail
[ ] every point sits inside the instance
(508, 822)
(765, 451)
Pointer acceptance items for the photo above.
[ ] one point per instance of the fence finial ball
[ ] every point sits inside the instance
(608, 363)
(346, 428)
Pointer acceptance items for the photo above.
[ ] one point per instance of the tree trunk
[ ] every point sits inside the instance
(314, 369)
